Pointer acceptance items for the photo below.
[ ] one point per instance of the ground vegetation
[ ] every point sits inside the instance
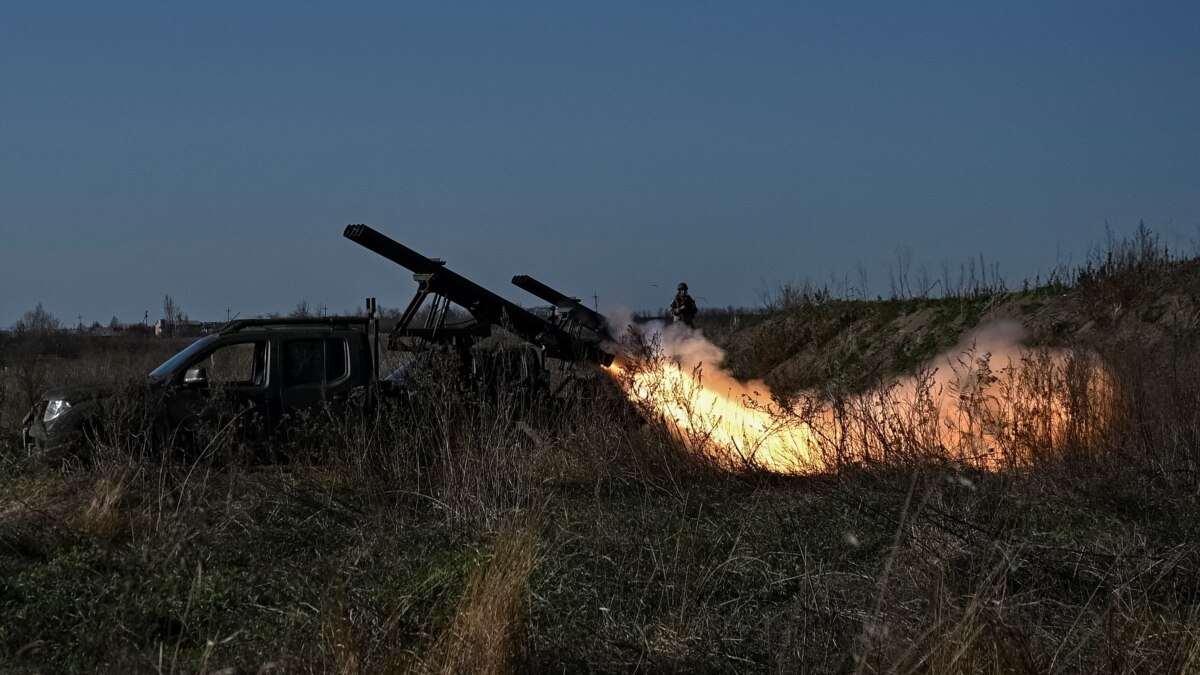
(447, 536)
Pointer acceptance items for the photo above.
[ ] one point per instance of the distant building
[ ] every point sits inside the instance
(189, 328)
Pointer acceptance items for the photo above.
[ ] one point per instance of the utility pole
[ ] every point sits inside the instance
(595, 301)
(226, 315)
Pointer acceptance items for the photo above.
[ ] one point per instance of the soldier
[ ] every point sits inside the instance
(683, 307)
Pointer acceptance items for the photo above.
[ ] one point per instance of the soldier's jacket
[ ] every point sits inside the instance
(683, 304)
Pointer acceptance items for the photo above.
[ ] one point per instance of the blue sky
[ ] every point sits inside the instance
(214, 151)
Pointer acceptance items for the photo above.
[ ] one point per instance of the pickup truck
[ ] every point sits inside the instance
(272, 368)
(267, 370)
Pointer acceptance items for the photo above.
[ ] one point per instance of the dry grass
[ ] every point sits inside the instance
(484, 633)
(104, 514)
(487, 631)
(442, 536)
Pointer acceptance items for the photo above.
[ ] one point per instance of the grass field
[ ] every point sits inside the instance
(448, 539)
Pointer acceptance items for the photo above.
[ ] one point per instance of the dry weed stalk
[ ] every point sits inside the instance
(104, 514)
(485, 635)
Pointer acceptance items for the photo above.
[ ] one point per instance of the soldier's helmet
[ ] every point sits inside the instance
(682, 287)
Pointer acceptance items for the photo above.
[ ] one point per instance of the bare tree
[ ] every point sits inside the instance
(172, 314)
(41, 334)
(37, 321)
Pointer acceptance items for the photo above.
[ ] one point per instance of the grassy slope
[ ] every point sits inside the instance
(319, 566)
(808, 345)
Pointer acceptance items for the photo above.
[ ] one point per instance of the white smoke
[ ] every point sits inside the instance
(686, 346)
(1002, 341)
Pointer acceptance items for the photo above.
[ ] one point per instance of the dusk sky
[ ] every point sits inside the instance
(215, 151)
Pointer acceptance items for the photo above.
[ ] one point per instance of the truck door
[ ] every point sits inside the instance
(229, 381)
(318, 373)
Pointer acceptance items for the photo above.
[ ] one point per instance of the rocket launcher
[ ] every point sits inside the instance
(487, 310)
(571, 314)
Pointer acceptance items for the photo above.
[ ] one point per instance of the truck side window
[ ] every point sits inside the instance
(313, 361)
(242, 364)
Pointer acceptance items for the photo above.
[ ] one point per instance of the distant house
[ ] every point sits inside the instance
(189, 328)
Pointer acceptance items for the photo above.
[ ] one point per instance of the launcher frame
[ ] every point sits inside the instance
(487, 309)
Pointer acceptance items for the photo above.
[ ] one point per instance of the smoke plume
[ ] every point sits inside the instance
(988, 401)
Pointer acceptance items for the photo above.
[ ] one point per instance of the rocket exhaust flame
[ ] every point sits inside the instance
(987, 403)
(726, 421)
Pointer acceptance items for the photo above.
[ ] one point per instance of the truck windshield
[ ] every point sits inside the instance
(173, 363)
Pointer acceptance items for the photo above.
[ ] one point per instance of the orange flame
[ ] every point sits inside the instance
(994, 409)
(728, 419)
